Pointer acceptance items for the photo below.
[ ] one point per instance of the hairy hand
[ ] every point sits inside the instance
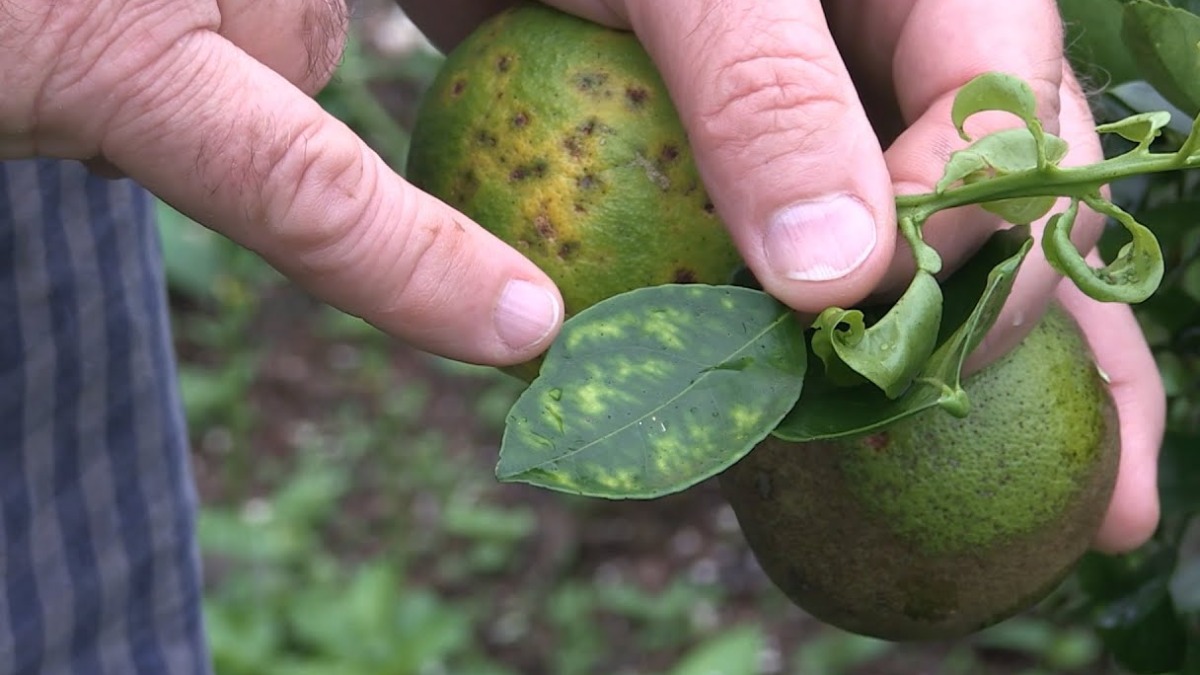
(208, 104)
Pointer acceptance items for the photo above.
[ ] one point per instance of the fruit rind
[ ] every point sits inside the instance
(557, 135)
(941, 526)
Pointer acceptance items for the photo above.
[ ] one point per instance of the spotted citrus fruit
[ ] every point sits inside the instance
(557, 135)
(939, 526)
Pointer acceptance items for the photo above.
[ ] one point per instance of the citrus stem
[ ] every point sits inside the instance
(1050, 180)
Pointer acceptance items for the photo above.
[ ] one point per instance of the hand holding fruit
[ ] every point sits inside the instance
(803, 162)
(194, 102)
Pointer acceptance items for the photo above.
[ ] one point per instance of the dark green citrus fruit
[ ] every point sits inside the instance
(940, 526)
(558, 135)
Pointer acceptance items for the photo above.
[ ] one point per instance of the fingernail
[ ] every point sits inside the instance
(525, 314)
(820, 240)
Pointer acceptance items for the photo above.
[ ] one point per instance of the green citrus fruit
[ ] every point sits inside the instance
(557, 135)
(940, 526)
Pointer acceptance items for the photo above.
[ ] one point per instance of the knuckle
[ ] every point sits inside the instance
(755, 94)
(312, 191)
(434, 264)
(330, 217)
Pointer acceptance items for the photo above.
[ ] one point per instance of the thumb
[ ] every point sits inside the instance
(236, 146)
(782, 141)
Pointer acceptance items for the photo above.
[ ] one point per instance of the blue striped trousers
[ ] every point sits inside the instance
(99, 571)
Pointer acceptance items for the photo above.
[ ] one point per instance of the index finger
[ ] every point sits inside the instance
(240, 149)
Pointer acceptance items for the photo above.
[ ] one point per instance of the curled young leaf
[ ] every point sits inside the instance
(974, 297)
(995, 91)
(1131, 277)
(891, 352)
(1141, 128)
(845, 325)
(1004, 152)
(652, 391)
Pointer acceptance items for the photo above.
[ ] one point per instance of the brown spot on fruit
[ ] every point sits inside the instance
(636, 96)
(572, 146)
(535, 169)
(567, 249)
(589, 127)
(684, 276)
(709, 208)
(485, 138)
(520, 119)
(668, 154)
(504, 63)
(590, 82)
(545, 228)
(458, 87)
(587, 181)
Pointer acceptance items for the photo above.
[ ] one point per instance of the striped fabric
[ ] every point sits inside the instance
(99, 571)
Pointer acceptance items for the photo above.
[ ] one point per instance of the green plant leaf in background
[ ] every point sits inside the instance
(1093, 40)
(654, 390)
(1163, 41)
(1179, 473)
(192, 254)
(1143, 631)
(733, 652)
(972, 304)
(1137, 96)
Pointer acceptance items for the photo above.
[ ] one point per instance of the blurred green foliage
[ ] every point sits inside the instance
(368, 541)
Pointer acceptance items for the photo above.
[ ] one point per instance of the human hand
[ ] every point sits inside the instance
(207, 104)
(808, 118)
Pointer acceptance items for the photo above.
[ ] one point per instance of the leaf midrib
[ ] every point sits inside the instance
(782, 316)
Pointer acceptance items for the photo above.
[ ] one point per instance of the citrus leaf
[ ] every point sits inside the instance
(1143, 631)
(1131, 277)
(974, 297)
(652, 391)
(1003, 152)
(1163, 41)
(1141, 128)
(994, 91)
(892, 351)
(1021, 210)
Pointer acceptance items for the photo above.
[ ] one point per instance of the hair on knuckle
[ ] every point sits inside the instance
(324, 27)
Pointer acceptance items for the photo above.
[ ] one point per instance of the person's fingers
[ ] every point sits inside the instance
(781, 140)
(1122, 354)
(301, 41)
(930, 64)
(1036, 280)
(236, 146)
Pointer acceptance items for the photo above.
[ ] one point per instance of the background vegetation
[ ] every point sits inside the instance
(352, 525)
